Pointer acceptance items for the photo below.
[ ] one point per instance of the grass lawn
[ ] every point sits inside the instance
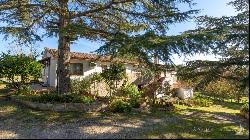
(217, 121)
(220, 120)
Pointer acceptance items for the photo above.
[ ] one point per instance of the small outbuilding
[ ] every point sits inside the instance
(184, 93)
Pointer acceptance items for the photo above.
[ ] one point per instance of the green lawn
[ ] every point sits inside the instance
(222, 120)
(216, 121)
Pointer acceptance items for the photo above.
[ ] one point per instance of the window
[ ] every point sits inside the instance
(76, 69)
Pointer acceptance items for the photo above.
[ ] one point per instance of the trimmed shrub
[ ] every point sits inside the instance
(133, 93)
(25, 93)
(119, 106)
(80, 86)
(56, 98)
(24, 90)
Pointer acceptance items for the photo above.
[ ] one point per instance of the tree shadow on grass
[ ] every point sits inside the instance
(27, 123)
(230, 105)
(218, 116)
(197, 128)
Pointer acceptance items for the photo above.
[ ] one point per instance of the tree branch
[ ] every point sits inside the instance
(107, 6)
(137, 14)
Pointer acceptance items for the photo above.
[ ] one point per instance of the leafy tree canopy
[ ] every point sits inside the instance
(13, 66)
(24, 19)
(226, 36)
(229, 38)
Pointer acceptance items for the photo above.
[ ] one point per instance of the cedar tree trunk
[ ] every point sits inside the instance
(63, 50)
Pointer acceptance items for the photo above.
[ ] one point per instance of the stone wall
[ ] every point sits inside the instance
(62, 107)
(102, 88)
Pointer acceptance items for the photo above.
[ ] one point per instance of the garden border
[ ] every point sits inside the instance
(62, 107)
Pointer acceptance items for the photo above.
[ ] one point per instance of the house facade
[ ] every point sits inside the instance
(81, 66)
(84, 64)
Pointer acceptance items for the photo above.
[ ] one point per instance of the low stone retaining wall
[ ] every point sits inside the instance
(62, 107)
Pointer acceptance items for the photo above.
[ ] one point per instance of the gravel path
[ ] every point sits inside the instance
(16, 125)
(90, 129)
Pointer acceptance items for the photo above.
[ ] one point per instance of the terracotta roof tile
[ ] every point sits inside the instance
(88, 56)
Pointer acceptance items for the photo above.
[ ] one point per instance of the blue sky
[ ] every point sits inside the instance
(215, 8)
